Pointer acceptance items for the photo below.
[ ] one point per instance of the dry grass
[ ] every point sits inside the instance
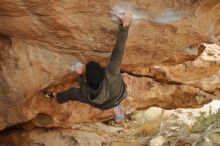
(148, 128)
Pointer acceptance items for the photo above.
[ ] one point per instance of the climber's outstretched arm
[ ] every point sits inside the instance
(118, 50)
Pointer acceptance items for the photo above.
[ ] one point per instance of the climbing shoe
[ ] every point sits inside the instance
(48, 94)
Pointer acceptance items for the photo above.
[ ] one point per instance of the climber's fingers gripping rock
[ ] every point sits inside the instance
(126, 18)
(77, 67)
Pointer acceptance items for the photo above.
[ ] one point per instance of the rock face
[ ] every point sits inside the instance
(40, 39)
(56, 137)
(153, 126)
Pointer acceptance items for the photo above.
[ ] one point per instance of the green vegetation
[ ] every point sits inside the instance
(203, 121)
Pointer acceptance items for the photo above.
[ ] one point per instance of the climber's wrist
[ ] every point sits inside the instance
(126, 24)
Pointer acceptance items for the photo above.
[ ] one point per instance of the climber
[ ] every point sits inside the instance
(102, 88)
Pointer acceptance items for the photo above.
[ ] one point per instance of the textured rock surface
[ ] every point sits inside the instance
(56, 137)
(40, 39)
(145, 127)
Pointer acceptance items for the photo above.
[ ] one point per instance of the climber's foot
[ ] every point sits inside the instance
(48, 94)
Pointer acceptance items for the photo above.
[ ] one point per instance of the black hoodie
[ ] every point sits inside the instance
(112, 89)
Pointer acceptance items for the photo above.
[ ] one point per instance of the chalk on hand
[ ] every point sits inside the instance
(74, 66)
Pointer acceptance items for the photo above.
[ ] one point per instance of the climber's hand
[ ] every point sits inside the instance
(126, 18)
(79, 68)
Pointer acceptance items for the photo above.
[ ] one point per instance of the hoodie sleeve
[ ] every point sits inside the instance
(118, 51)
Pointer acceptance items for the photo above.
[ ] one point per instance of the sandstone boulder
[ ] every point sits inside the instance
(40, 39)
